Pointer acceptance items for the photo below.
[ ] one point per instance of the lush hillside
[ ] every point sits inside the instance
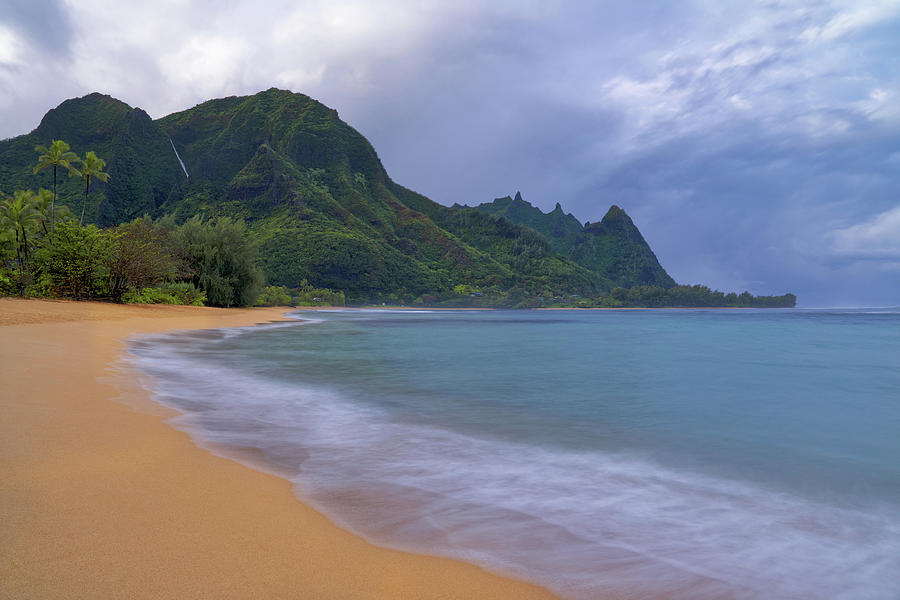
(143, 168)
(613, 247)
(315, 196)
(320, 206)
(561, 230)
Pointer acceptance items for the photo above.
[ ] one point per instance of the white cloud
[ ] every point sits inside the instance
(168, 55)
(778, 66)
(881, 105)
(875, 239)
(845, 22)
(739, 102)
(205, 63)
(11, 47)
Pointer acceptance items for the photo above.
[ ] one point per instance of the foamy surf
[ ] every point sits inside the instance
(583, 523)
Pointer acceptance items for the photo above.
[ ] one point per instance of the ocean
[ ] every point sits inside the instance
(626, 453)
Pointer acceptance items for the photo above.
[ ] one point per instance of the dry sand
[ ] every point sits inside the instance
(100, 499)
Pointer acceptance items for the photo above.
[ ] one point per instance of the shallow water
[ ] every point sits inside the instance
(690, 453)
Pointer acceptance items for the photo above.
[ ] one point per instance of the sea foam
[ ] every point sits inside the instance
(583, 523)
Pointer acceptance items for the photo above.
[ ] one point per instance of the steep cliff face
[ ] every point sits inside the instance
(144, 171)
(324, 209)
(319, 202)
(143, 168)
(616, 247)
(613, 248)
(559, 228)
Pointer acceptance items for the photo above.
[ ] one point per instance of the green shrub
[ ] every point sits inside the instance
(149, 296)
(171, 293)
(186, 293)
(72, 266)
(6, 285)
(141, 254)
(274, 295)
(307, 295)
(221, 259)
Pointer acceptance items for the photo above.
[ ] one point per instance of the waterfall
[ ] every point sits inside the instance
(181, 162)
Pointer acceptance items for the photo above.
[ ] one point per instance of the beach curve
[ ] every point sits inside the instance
(98, 499)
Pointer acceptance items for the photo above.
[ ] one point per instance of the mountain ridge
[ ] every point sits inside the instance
(613, 246)
(320, 205)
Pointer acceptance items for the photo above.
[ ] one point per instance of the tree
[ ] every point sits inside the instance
(57, 155)
(221, 259)
(273, 295)
(141, 254)
(42, 203)
(74, 265)
(18, 217)
(91, 166)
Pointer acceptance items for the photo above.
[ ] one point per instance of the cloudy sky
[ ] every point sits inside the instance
(755, 144)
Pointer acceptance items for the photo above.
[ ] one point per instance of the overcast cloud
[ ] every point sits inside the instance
(756, 145)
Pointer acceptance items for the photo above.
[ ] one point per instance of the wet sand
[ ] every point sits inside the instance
(100, 498)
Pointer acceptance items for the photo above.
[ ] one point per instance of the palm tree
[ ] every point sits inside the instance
(17, 216)
(91, 166)
(42, 201)
(57, 155)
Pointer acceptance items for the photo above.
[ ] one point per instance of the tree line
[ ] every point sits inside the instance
(46, 252)
(642, 296)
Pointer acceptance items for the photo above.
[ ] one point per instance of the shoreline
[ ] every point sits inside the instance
(448, 308)
(101, 497)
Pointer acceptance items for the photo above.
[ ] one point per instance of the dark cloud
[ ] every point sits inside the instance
(45, 24)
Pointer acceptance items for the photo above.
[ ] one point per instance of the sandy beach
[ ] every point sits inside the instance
(100, 498)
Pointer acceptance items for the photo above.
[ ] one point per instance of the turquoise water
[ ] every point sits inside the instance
(690, 453)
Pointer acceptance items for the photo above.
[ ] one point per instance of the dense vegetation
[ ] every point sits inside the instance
(141, 261)
(614, 246)
(643, 296)
(138, 261)
(275, 186)
(45, 251)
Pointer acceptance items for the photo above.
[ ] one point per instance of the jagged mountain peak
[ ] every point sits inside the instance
(319, 202)
(614, 246)
(138, 114)
(617, 221)
(617, 217)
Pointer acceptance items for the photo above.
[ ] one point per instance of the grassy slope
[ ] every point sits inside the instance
(139, 160)
(561, 230)
(614, 247)
(324, 209)
(317, 198)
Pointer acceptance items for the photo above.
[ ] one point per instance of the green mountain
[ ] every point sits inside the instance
(558, 228)
(319, 203)
(138, 155)
(613, 247)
